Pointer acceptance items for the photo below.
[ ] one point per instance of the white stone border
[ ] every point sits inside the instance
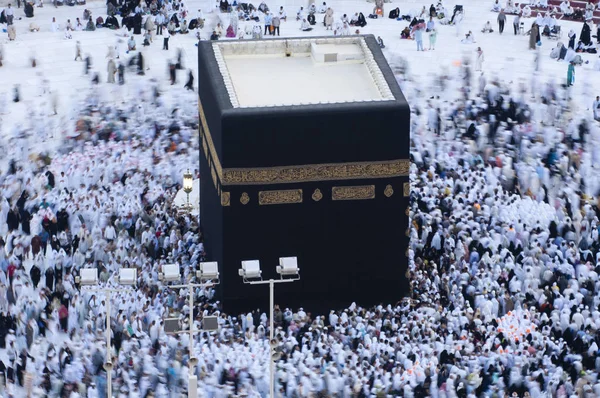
(269, 47)
(226, 77)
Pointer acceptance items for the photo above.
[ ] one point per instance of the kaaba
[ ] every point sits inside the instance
(304, 152)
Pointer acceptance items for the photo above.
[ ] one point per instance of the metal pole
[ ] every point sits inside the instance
(271, 283)
(271, 325)
(191, 326)
(108, 354)
(192, 380)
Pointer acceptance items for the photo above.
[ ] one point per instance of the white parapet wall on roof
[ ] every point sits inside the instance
(321, 70)
(336, 52)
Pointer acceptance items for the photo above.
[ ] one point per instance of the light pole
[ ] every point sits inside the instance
(209, 276)
(89, 277)
(251, 274)
(188, 186)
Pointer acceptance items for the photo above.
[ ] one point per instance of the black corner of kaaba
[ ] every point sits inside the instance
(325, 183)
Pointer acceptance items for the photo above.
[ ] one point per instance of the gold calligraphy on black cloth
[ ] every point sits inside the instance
(225, 198)
(353, 192)
(280, 197)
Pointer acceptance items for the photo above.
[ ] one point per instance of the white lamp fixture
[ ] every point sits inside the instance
(188, 179)
(171, 273)
(209, 271)
(128, 276)
(87, 276)
(188, 185)
(250, 269)
(288, 266)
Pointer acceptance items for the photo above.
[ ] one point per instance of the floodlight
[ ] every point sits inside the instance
(171, 325)
(87, 276)
(275, 350)
(128, 276)
(288, 266)
(209, 271)
(250, 269)
(170, 273)
(210, 323)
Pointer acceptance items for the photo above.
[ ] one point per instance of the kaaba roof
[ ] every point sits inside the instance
(291, 72)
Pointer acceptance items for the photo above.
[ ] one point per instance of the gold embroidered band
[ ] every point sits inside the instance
(296, 174)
